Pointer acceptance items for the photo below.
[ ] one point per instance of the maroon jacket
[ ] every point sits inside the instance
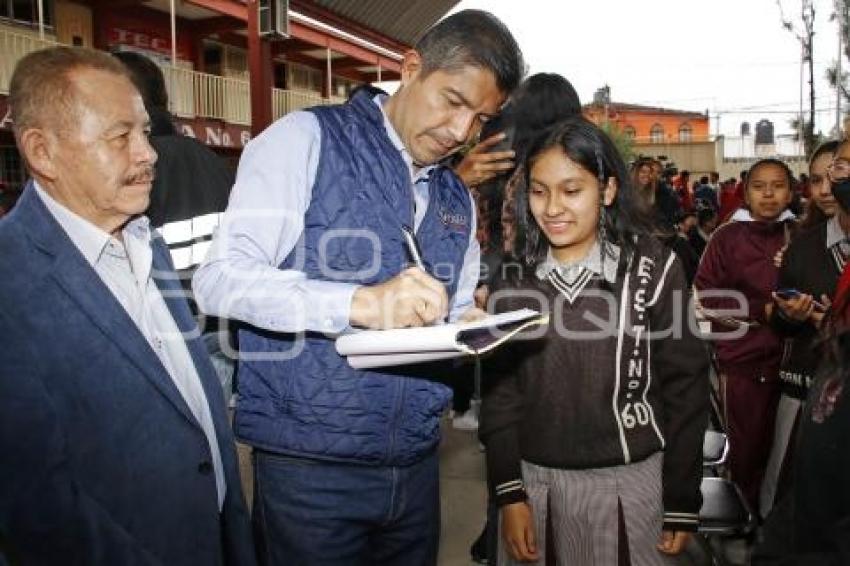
(740, 256)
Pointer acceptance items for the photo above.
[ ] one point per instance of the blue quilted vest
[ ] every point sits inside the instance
(314, 404)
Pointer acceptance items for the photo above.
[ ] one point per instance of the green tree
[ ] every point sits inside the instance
(836, 74)
(817, 138)
(804, 31)
(624, 143)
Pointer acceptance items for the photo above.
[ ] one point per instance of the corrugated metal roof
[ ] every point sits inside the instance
(402, 20)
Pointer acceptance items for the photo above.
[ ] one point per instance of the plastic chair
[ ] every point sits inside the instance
(715, 449)
(724, 513)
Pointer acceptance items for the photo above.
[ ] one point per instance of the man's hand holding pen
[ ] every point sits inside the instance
(411, 298)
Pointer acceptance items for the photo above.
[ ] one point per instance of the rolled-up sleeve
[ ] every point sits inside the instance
(240, 278)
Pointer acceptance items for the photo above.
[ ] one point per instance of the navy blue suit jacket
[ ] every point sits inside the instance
(101, 460)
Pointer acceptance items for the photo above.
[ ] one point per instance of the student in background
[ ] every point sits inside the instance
(699, 235)
(811, 526)
(739, 263)
(733, 198)
(821, 204)
(811, 266)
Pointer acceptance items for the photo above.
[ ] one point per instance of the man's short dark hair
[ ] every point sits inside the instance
(147, 77)
(473, 38)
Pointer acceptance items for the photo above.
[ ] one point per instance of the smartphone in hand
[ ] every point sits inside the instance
(788, 294)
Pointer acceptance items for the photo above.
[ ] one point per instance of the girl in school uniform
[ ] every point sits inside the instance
(739, 271)
(594, 430)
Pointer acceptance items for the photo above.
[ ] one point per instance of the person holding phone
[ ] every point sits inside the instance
(810, 269)
(811, 525)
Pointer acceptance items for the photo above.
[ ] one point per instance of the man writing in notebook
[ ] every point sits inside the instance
(312, 243)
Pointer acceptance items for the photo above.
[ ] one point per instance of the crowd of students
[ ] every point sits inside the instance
(763, 277)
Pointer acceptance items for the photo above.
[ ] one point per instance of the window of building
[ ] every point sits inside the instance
(213, 56)
(303, 78)
(225, 60)
(26, 11)
(235, 64)
(629, 132)
(656, 133)
(685, 132)
(342, 87)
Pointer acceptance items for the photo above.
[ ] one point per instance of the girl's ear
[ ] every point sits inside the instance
(610, 192)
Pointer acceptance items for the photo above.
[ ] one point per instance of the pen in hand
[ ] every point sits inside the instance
(415, 253)
(413, 247)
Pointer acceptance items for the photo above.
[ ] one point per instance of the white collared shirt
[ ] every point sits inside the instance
(835, 234)
(125, 268)
(593, 262)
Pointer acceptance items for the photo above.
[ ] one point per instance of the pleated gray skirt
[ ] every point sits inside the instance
(579, 510)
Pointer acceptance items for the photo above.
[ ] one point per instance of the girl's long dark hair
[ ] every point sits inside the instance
(834, 371)
(540, 101)
(588, 146)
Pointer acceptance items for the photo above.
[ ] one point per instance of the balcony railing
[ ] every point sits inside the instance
(285, 101)
(190, 93)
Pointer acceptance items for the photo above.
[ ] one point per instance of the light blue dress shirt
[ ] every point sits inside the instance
(264, 223)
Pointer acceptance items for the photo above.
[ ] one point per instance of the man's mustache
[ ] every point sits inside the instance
(146, 175)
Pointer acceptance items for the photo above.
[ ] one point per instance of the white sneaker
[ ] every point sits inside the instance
(465, 421)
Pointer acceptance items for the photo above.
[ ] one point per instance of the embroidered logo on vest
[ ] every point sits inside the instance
(453, 220)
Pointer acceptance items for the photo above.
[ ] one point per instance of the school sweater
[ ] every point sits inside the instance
(740, 257)
(595, 390)
(811, 266)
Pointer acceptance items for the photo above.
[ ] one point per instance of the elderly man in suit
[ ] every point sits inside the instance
(114, 442)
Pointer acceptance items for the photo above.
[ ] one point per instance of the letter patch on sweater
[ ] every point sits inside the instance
(634, 410)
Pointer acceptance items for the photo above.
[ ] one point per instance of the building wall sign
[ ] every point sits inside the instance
(144, 41)
(215, 133)
(5, 113)
(147, 31)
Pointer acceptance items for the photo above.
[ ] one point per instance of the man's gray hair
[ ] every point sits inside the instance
(42, 92)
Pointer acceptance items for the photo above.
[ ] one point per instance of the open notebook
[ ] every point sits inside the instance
(401, 346)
